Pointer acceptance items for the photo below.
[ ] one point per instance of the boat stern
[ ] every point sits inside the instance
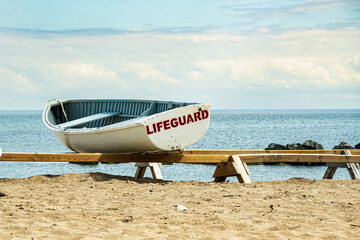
(178, 128)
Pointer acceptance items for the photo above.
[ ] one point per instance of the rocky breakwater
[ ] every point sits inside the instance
(308, 145)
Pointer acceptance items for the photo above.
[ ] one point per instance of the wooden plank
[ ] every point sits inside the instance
(232, 168)
(318, 158)
(246, 168)
(243, 177)
(220, 179)
(87, 119)
(225, 170)
(240, 152)
(154, 167)
(147, 164)
(353, 171)
(329, 173)
(113, 157)
(140, 172)
(352, 167)
(156, 172)
(175, 158)
(340, 165)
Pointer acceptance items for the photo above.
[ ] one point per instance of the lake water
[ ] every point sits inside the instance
(23, 131)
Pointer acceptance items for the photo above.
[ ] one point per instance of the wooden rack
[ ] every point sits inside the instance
(229, 162)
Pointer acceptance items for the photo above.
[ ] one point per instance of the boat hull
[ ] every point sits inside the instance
(171, 130)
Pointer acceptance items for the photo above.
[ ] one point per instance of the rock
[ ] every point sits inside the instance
(295, 146)
(343, 145)
(312, 145)
(357, 146)
(275, 146)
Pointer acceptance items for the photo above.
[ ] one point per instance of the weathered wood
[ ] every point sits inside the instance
(329, 173)
(140, 172)
(318, 158)
(351, 167)
(156, 172)
(353, 171)
(234, 167)
(243, 177)
(240, 152)
(227, 169)
(342, 165)
(147, 164)
(246, 168)
(175, 158)
(112, 157)
(154, 167)
(219, 179)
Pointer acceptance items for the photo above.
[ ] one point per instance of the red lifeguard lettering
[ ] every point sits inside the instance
(197, 116)
(148, 130)
(189, 119)
(159, 125)
(167, 124)
(184, 122)
(174, 122)
(204, 114)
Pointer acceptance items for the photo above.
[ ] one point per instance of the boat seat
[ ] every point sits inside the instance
(87, 119)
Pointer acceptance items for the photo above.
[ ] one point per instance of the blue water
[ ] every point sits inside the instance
(23, 131)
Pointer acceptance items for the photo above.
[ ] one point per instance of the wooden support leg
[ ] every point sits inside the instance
(351, 167)
(155, 171)
(140, 172)
(353, 171)
(154, 167)
(329, 173)
(234, 167)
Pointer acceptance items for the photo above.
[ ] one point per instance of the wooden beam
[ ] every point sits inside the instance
(239, 152)
(113, 157)
(234, 167)
(351, 167)
(154, 167)
(316, 158)
(176, 158)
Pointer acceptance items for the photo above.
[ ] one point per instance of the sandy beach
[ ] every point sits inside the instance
(96, 205)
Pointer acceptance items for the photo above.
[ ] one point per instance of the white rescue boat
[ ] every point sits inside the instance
(126, 126)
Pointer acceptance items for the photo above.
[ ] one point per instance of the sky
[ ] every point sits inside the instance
(232, 54)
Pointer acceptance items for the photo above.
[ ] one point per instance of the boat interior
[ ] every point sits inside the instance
(76, 114)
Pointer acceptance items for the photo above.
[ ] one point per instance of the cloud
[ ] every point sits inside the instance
(15, 82)
(147, 72)
(355, 63)
(282, 16)
(220, 67)
(87, 76)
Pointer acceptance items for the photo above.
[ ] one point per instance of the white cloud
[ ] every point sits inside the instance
(355, 62)
(15, 82)
(81, 75)
(147, 72)
(207, 67)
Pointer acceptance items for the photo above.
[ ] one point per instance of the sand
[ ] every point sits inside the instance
(96, 205)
